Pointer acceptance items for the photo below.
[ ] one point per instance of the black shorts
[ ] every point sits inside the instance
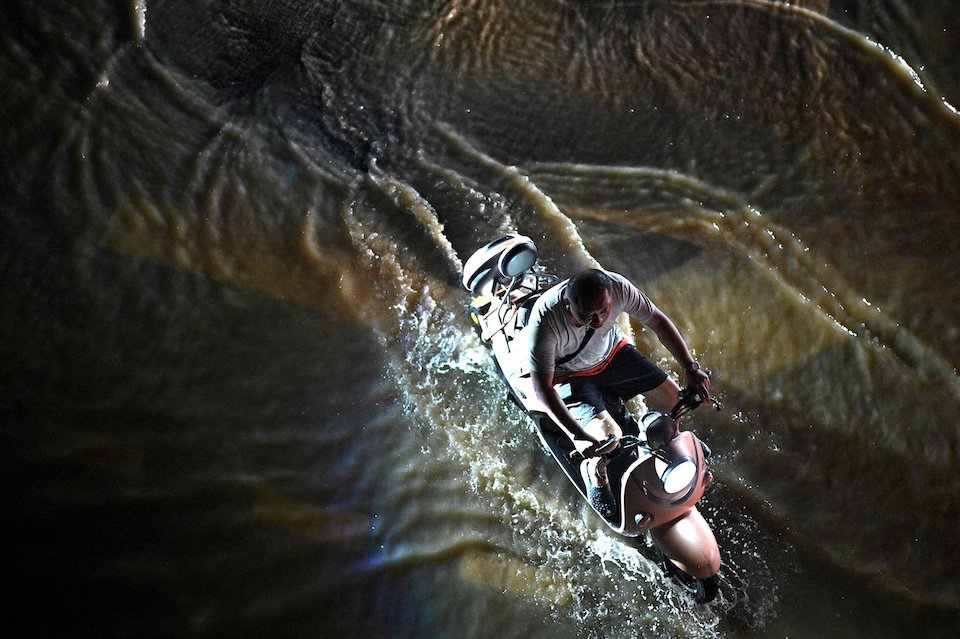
(627, 375)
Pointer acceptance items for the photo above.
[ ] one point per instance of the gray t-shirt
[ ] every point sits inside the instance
(550, 333)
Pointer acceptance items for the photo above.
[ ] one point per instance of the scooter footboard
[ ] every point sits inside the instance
(689, 543)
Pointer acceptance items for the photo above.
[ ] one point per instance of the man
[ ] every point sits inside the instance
(577, 354)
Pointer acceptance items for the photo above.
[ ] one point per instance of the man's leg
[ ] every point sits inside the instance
(664, 397)
(600, 427)
(594, 469)
(586, 404)
(584, 400)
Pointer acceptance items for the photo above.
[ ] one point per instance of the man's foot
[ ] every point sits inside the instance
(598, 488)
(601, 498)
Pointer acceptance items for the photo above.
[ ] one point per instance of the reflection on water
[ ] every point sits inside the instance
(241, 395)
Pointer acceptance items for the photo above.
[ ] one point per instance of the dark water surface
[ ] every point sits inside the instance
(240, 394)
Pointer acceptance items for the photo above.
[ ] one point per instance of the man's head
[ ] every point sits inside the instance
(588, 297)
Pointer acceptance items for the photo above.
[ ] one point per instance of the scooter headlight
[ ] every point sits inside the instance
(678, 475)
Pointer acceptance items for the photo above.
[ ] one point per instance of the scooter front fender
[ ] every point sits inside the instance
(689, 543)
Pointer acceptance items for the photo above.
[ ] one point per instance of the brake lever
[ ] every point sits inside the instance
(688, 401)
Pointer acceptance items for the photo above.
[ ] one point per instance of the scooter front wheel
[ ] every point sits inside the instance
(702, 590)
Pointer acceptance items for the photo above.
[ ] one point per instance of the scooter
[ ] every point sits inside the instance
(657, 473)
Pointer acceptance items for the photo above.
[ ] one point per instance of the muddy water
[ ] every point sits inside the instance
(240, 391)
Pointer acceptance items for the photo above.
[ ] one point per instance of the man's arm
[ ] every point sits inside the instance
(669, 336)
(543, 387)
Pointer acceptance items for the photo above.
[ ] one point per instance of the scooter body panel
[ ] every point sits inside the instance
(690, 544)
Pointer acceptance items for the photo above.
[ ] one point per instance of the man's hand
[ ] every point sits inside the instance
(669, 336)
(604, 447)
(699, 381)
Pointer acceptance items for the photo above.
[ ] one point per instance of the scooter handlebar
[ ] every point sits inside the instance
(607, 445)
(689, 400)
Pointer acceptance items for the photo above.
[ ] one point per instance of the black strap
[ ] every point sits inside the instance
(567, 358)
